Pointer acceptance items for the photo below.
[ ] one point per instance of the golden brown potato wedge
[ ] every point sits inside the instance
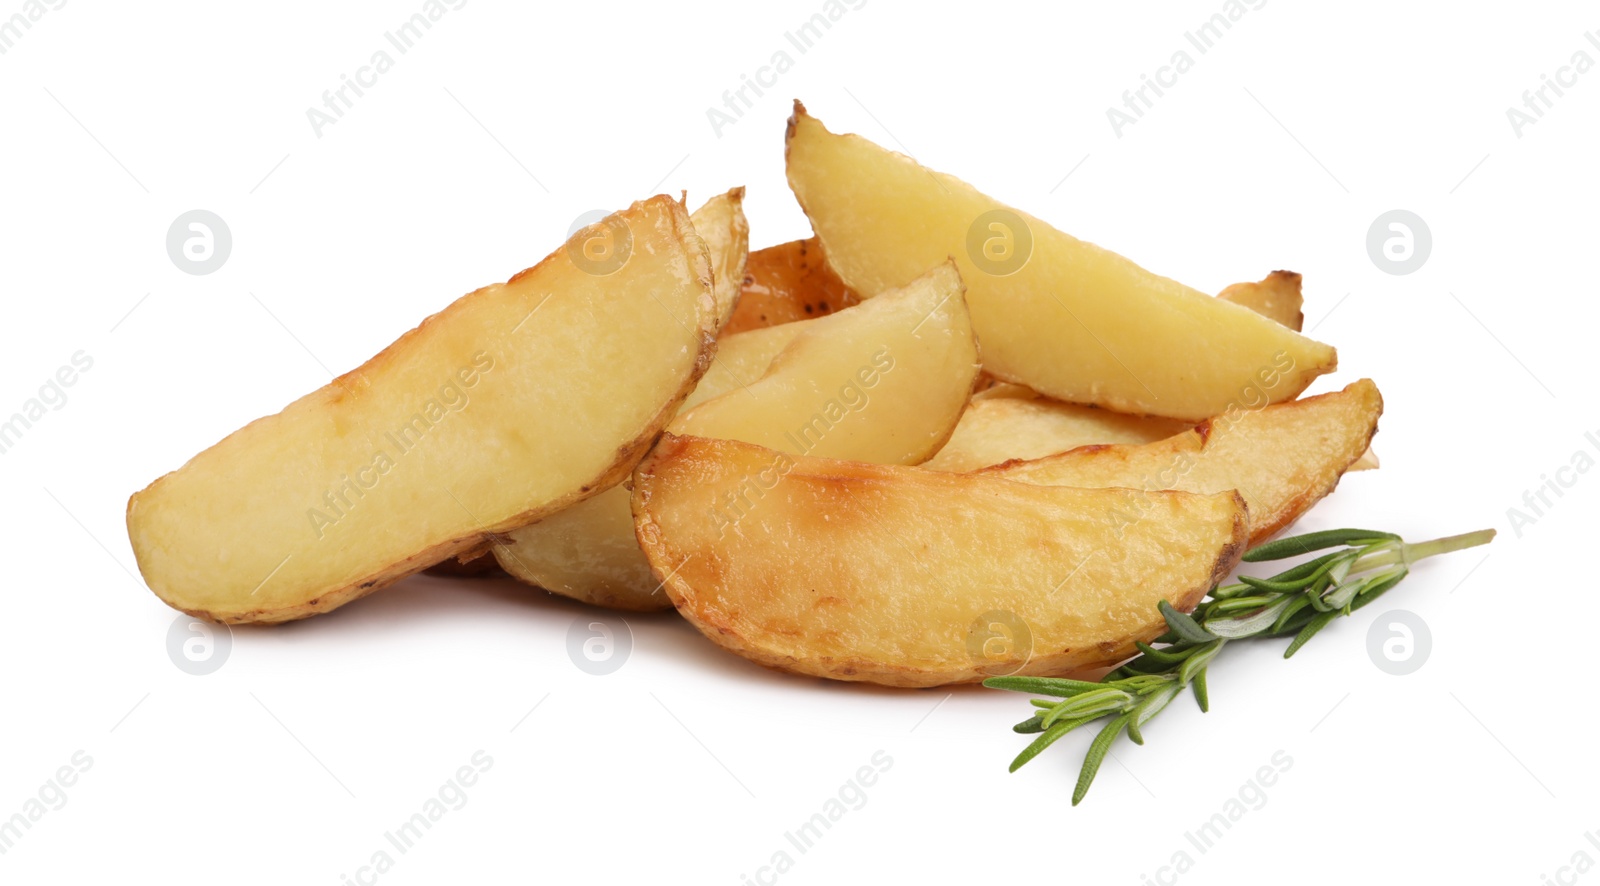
(1276, 297)
(1030, 426)
(884, 382)
(1021, 424)
(788, 282)
(996, 429)
(515, 401)
(909, 577)
(1064, 317)
(1282, 458)
(722, 225)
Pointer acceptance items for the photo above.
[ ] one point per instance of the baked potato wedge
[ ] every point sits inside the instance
(722, 225)
(515, 401)
(1027, 425)
(1008, 421)
(884, 381)
(1276, 296)
(899, 575)
(1282, 458)
(788, 282)
(1067, 318)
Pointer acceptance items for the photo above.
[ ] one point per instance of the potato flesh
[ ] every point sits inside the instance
(1283, 458)
(881, 573)
(995, 429)
(884, 382)
(789, 282)
(1075, 322)
(586, 552)
(722, 225)
(921, 333)
(575, 373)
(742, 358)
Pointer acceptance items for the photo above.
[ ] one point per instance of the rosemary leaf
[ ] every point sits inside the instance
(1322, 620)
(1031, 725)
(1314, 541)
(1249, 625)
(1057, 686)
(1097, 754)
(1182, 625)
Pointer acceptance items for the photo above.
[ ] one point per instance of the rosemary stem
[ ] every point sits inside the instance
(1408, 554)
(1424, 549)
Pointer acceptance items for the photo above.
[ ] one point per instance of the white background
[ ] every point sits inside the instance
(470, 159)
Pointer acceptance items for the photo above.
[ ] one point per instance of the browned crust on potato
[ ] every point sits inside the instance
(788, 282)
(717, 624)
(627, 454)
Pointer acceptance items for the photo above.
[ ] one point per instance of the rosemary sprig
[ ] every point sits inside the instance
(1299, 602)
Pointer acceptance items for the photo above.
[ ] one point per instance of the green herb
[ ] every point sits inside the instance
(1298, 602)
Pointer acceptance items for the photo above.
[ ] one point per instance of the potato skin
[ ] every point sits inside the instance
(876, 573)
(788, 282)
